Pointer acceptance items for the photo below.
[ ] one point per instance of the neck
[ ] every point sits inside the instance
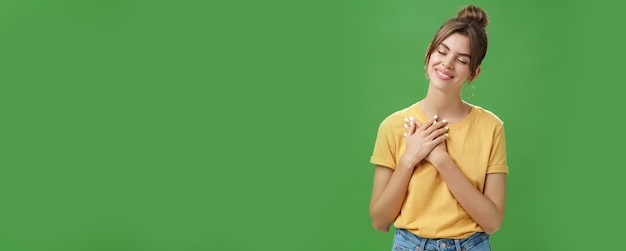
(445, 105)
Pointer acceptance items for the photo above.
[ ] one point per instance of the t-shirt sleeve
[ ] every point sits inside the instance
(497, 159)
(385, 146)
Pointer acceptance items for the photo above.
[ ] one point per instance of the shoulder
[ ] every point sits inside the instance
(488, 117)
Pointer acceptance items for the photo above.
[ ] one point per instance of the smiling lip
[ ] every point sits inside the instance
(443, 75)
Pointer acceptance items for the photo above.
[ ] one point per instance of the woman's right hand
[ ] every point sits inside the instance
(422, 138)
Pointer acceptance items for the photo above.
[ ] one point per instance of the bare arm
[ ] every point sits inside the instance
(388, 194)
(390, 186)
(487, 208)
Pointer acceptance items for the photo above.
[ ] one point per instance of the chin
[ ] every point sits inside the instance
(444, 86)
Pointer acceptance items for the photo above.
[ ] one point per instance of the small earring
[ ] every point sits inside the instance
(465, 90)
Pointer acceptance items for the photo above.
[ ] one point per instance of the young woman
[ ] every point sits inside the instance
(441, 163)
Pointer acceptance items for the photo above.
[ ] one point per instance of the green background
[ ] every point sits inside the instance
(192, 125)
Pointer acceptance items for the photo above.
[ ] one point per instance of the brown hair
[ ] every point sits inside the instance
(470, 22)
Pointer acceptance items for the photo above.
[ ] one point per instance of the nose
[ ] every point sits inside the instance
(448, 62)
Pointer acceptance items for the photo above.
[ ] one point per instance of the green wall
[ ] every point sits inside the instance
(182, 125)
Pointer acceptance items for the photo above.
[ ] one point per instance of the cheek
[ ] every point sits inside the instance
(435, 56)
(466, 70)
(434, 59)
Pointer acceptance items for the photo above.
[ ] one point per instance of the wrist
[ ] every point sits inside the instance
(406, 162)
(441, 161)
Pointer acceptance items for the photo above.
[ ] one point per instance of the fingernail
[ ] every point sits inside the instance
(436, 116)
(444, 121)
(406, 120)
(446, 135)
(406, 126)
(446, 128)
(404, 134)
(412, 118)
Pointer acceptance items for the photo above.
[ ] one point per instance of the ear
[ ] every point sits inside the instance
(475, 75)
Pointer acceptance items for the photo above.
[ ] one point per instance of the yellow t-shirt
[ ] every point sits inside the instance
(476, 144)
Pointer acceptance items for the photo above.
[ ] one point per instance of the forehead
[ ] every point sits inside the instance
(458, 43)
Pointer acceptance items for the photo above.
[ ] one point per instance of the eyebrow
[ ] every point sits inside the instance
(460, 54)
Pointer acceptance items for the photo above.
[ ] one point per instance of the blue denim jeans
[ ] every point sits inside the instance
(407, 241)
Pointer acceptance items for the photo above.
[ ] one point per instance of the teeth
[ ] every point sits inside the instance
(444, 75)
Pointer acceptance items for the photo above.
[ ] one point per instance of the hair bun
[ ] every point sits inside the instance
(474, 13)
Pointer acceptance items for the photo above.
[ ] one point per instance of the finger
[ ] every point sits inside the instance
(412, 126)
(440, 139)
(424, 127)
(431, 125)
(417, 123)
(436, 126)
(407, 125)
(438, 132)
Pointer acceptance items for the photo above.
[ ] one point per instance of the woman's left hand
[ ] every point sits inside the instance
(439, 153)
